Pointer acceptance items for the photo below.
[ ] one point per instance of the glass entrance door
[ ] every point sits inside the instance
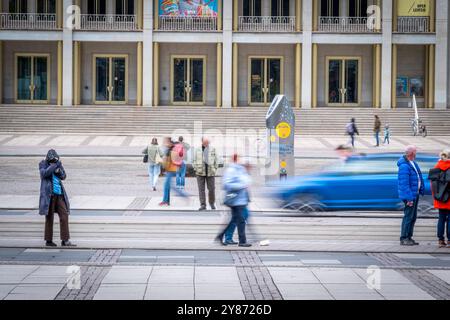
(32, 78)
(111, 79)
(265, 79)
(343, 81)
(188, 80)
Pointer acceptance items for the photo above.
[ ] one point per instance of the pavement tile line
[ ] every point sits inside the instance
(429, 283)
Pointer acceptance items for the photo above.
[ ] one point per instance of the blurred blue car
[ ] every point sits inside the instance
(363, 182)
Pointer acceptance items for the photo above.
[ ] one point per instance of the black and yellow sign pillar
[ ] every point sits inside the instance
(280, 123)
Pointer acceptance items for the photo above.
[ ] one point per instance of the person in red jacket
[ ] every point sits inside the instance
(444, 207)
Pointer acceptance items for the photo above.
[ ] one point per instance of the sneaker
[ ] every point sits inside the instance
(229, 242)
(245, 244)
(442, 244)
(213, 207)
(202, 208)
(414, 242)
(67, 244)
(219, 238)
(50, 244)
(406, 242)
(164, 204)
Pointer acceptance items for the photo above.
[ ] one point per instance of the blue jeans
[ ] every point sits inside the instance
(232, 226)
(444, 219)
(377, 138)
(168, 186)
(237, 218)
(409, 220)
(352, 139)
(386, 139)
(154, 170)
(181, 173)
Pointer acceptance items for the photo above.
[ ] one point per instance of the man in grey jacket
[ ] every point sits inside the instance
(205, 165)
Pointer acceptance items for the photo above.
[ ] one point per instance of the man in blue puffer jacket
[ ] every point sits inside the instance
(410, 187)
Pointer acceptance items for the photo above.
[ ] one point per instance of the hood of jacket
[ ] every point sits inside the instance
(52, 155)
(443, 165)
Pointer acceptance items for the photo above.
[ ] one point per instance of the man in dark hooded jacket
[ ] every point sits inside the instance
(53, 198)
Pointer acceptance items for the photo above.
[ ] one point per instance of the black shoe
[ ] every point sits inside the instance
(213, 207)
(229, 242)
(414, 242)
(154, 189)
(245, 244)
(406, 242)
(67, 244)
(202, 208)
(50, 244)
(219, 238)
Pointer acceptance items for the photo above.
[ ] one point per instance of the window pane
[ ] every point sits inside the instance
(119, 79)
(197, 80)
(102, 79)
(23, 78)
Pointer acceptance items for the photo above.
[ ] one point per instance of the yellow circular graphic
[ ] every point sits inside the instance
(272, 138)
(283, 164)
(283, 130)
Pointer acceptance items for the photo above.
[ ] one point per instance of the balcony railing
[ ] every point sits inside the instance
(28, 21)
(169, 23)
(346, 25)
(267, 24)
(413, 24)
(108, 22)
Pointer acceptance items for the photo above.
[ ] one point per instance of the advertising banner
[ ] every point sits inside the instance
(414, 8)
(188, 8)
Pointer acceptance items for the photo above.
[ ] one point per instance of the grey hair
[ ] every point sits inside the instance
(445, 155)
(410, 149)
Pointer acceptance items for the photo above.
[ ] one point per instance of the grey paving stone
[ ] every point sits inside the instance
(304, 292)
(292, 275)
(120, 292)
(34, 292)
(403, 292)
(169, 292)
(127, 274)
(352, 292)
(5, 289)
(334, 275)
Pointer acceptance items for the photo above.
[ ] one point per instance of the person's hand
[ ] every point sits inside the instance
(410, 203)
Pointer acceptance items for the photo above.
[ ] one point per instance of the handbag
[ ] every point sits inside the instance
(230, 198)
(158, 158)
(145, 159)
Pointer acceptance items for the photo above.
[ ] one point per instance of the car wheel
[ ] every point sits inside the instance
(304, 204)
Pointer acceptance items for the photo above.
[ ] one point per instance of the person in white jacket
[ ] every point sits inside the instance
(236, 182)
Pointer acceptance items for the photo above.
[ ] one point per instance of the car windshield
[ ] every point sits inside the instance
(374, 166)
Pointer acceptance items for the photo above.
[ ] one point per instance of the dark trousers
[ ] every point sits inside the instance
(211, 184)
(58, 205)
(444, 220)
(237, 219)
(409, 220)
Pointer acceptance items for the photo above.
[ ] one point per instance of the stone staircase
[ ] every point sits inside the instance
(163, 120)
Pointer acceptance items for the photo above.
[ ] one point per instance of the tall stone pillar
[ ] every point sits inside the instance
(386, 55)
(67, 68)
(147, 54)
(307, 54)
(441, 77)
(227, 53)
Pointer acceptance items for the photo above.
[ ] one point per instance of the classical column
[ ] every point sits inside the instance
(394, 6)
(235, 15)
(59, 14)
(140, 14)
(156, 14)
(314, 75)
(394, 77)
(315, 14)
(433, 14)
(306, 78)
(227, 54)
(139, 75)
(431, 76)
(59, 73)
(235, 74)
(298, 74)
(376, 75)
(386, 55)
(67, 68)
(155, 74)
(1, 71)
(219, 76)
(298, 15)
(147, 54)
(343, 8)
(77, 73)
(441, 79)
(219, 15)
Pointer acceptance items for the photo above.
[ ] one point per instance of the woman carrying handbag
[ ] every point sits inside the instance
(154, 155)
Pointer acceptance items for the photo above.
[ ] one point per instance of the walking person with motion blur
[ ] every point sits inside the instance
(376, 130)
(53, 198)
(387, 134)
(181, 173)
(440, 187)
(173, 156)
(351, 130)
(410, 187)
(236, 182)
(155, 159)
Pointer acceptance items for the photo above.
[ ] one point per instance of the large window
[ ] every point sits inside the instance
(358, 8)
(18, 6)
(252, 8)
(280, 8)
(125, 7)
(329, 8)
(96, 6)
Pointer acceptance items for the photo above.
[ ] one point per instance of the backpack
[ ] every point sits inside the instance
(177, 154)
